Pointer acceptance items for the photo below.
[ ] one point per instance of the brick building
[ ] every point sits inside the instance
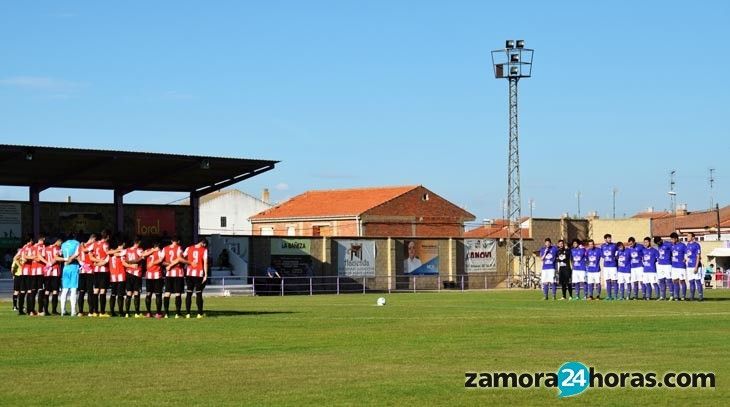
(375, 212)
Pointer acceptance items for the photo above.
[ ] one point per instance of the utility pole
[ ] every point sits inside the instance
(577, 195)
(712, 187)
(614, 192)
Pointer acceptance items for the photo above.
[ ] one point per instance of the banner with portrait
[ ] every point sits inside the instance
(421, 257)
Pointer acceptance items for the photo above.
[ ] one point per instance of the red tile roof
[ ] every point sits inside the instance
(498, 229)
(652, 215)
(693, 220)
(333, 203)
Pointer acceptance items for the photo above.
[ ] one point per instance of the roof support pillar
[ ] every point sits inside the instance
(119, 210)
(194, 215)
(35, 205)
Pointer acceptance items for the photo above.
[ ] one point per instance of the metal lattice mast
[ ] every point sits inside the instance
(514, 194)
(512, 63)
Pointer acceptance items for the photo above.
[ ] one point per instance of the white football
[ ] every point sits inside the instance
(381, 301)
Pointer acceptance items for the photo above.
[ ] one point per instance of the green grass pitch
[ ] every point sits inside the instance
(343, 350)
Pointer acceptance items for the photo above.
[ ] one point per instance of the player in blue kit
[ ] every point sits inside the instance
(679, 267)
(664, 267)
(610, 271)
(694, 271)
(649, 262)
(624, 271)
(637, 269)
(548, 254)
(578, 258)
(593, 269)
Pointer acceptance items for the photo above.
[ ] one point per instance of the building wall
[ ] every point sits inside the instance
(327, 227)
(51, 220)
(620, 229)
(236, 207)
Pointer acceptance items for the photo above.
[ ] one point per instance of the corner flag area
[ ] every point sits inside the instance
(343, 350)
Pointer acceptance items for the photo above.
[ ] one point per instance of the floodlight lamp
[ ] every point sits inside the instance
(29, 156)
(513, 71)
(509, 44)
(205, 164)
(520, 44)
(514, 58)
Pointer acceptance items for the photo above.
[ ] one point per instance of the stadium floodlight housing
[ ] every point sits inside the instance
(520, 44)
(509, 44)
(520, 58)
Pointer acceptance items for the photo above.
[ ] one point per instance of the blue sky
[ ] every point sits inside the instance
(368, 93)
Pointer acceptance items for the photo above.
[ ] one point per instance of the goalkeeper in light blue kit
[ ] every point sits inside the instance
(70, 276)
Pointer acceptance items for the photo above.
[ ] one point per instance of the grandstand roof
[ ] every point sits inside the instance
(55, 167)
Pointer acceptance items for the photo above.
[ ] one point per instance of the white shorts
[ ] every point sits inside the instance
(594, 277)
(691, 274)
(650, 278)
(663, 271)
(624, 278)
(679, 273)
(547, 276)
(637, 274)
(579, 276)
(611, 273)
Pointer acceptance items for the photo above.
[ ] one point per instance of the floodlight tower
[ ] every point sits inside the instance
(513, 63)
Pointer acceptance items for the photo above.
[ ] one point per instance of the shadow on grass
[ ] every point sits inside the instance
(225, 313)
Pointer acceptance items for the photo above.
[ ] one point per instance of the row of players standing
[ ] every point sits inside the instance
(669, 265)
(102, 264)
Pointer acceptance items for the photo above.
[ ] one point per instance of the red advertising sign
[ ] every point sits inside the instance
(154, 222)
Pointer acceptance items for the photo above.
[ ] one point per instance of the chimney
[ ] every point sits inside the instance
(681, 209)
(265, 195)
(487, 222)
(593, 215)
(650, 209)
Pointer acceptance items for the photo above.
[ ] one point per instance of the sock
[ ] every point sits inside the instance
(136, 303)
(683, 286)
(64, 294)
(93, 302)
(656, 288)
(199, 302)
(662, 285)
(623, 290)
(167, 305)
(692, 289)
(120, 303)
(591, 286)
(15, 301)
(21, 302)
(148, 303)
(563, 289)
(701, 288)
(615, 289)
(178, 304)
(54, 301)
(585, 289)
(102, 300)
(647, 287)
(676, 290)
(570, 290)
(670, 283)
(127, 303)
(598, 290)
(545, 289)
(80, 301)
(46, 302)
(555, 289)
(158, 303)
(31, 301)
(188, 301)
(112, 303)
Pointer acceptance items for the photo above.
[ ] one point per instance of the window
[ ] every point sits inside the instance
(224, 221)
(291, 231)
(267, 231)
(425, 197)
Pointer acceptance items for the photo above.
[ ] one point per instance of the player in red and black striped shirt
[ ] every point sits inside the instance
(154, 279)
(117, 278)
(52, 276)
(86, 270)
(175, 278)
(196, 257)
(132, 258)
(27, 253)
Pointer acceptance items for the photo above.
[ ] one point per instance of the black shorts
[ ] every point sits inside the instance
(52, 283)
(195, 284)
(101, 281)
(25, 283)
(175, 285)
(118, 288)
(36, 283)
(86, 282)
(134, 283)
(154, 286)
(16, 283)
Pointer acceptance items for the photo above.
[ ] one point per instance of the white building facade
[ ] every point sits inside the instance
(226, 212)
